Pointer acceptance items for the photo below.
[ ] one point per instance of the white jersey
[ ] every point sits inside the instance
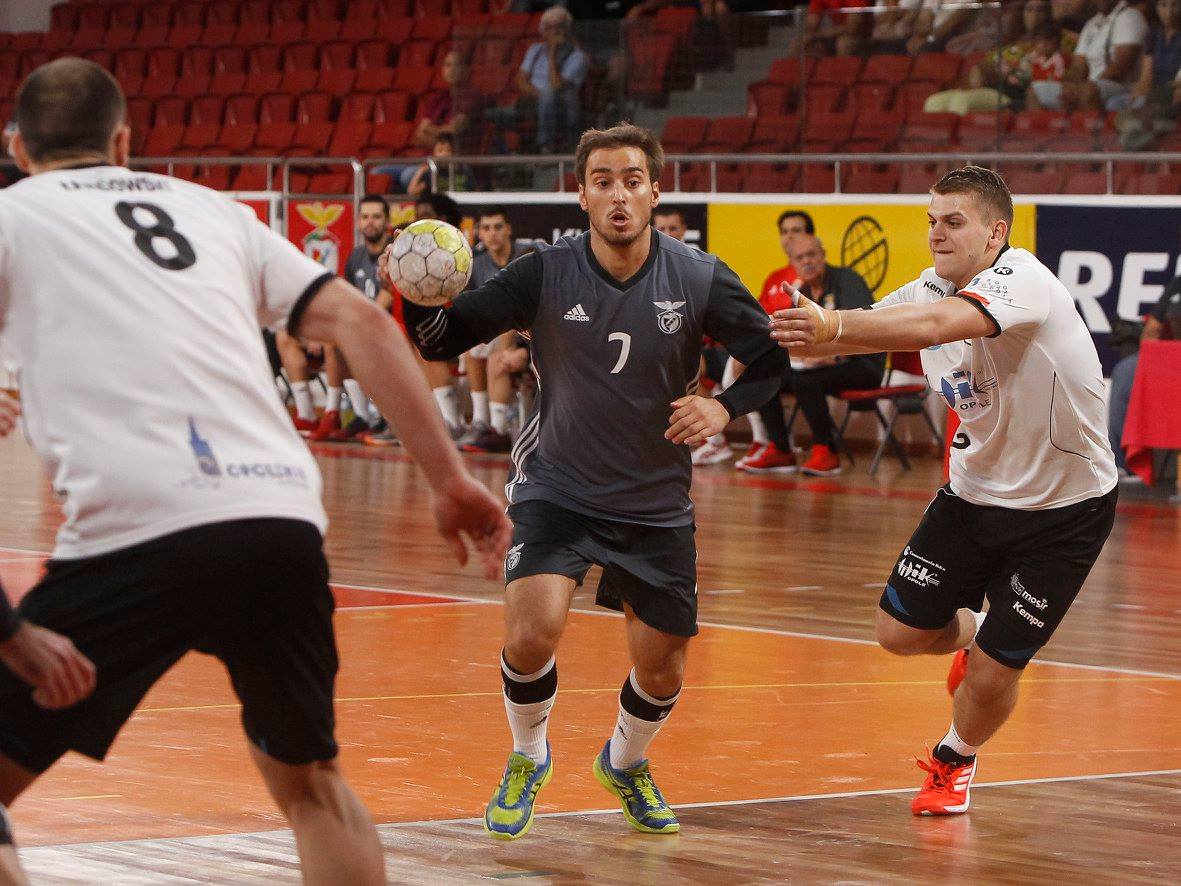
(131, 304)
(1030, 397)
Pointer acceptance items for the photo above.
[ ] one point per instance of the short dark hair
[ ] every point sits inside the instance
(443, 206)
(68, 107)
(621, 135)
(809, 225)
(376, 198)
(666, 211)
(490, 211)
(987, 185)
(445, 137)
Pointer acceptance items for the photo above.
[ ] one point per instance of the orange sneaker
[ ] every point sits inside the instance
(959, 667)
(329, 422)
(946, 790)
(771, 460)
(752, 452)
(822, 462)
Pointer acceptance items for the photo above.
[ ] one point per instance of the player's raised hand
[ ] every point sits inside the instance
(804, 324)
(695, 419)
(465, 508)
(9, 412)
(49, 662)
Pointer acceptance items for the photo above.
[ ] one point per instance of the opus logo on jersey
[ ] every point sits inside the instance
(670, 318)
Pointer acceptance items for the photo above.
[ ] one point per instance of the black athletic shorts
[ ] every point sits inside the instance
(651, 568)
(1029, 565)
(254, 593)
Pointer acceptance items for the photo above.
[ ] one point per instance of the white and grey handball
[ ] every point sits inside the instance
(430, 262)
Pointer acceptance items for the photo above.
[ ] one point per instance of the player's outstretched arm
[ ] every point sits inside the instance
(9, 413)
(49, 662)
(381, 360)
(812, 331)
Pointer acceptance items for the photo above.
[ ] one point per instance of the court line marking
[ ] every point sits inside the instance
(793, 798)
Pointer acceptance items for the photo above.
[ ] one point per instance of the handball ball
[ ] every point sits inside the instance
(430, 262)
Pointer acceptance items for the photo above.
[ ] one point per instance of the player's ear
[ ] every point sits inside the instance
(16, 147)
(1000, 233)
(655, 194)
(120, 148)
(582, 198)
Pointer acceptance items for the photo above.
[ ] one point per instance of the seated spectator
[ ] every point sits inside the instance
(1156, 97)
(1105, 65)
(813, 380)
(549, 83)
(450, 110)
(893, 25)
(1157, 325)
(831, 30)
(456, 178)
(938, 22)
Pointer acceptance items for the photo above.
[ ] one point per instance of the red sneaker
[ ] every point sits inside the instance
(771, 460)
(304, 425)
(822, 463)
(329, 422)
(752, 452)
(355, 428)
(959, 667)
(946, 790)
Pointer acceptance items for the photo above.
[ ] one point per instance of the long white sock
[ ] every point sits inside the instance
(640, 718)
(529, 720)
(480, 408)
(758, 430)
(957, 744)
(357, 398)
(301, 392)
(332, 403)
(447, 405)
(500, 413)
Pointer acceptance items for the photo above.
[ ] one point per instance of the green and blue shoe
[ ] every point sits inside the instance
(510, 811)
(643, 804)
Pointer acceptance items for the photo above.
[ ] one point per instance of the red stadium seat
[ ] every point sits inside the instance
(139, 114)
(876, 99)
(274, 137)
(227, 83)
(917, 178)
(358, 107)
(833, 127)
(389, 139)
(348, 138)
(183, 36)
(374, 79)
(651, 58)
(254, 11)
(767, 99)
(331, 183)
(284, 33)
(63, 17)
(325, 10)
(252, 33)
(83, 38)
(942, 68)
(238, 138)
(434, 8)
(337, 83)
(393, 107)
(766, 178)
(218, 34)
(466, 8)
(840, 70)
(913, 97)
(32, 60)
(434, 28)
(163, 140)
(287, 10)
(129, 68)
(321, 31)
(1092, 182)
(207, 109)
(982, 130)
(373, 54)
(870, 178)
(171, 110)
(416, 53)
(101, 57)
(791, 71)
(728, 135)
(313, 137)
(223, 12)
(888, 69)
(94, 15)
(192, 13)
(817, 178)
(277, 107)
(394, 30)
(254, 178)
(774, 135)
(297, 82)
(336, 55)
(242, 109)
(229, 60)
(313, 107)
(821, 100)
(197, 137)
(264, 59)
(414, 80)
(300, 57)
(683, 134)
(115, 39)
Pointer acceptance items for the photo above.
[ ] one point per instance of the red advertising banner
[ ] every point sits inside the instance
(323, 230)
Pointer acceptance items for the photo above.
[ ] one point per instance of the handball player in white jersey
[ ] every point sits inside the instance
(1032, 494)
(192, 508)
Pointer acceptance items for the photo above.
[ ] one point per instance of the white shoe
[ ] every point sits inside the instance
(712, 453)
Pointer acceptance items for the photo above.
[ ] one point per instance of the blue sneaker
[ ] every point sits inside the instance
(510, 811)
(643, 805)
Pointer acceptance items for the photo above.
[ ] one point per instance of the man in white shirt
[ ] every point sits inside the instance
(192, 511)
(1032, 494)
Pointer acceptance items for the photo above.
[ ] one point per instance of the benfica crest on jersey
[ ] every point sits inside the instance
(669, 317)
(321, 244)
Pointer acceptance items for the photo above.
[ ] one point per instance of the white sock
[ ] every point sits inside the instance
(718, 439)
(758, 430)
(529, 722)
(957, 744)
(447, 405)
(979, 616)
(357, 398)
(332, 404)
(301, 392)
(480, 408)
(633, 734)
(500, 413)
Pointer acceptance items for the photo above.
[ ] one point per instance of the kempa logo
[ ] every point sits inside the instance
(577, 313)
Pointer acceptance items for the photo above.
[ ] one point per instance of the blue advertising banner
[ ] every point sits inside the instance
(1115, 260)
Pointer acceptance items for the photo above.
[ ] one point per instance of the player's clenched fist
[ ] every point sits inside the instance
(9, 412)
(805, 324)
(695, 419)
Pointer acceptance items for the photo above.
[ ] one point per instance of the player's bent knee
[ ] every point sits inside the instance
(315, 786)
(899, 639)
(528, 650)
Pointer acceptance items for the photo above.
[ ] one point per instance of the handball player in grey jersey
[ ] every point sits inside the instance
(601, 471)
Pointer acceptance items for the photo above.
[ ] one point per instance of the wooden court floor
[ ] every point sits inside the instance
(790, 754)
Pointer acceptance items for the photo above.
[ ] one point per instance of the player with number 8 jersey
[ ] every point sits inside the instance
(600, 476)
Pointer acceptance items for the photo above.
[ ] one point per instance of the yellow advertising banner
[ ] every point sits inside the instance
(885, 243)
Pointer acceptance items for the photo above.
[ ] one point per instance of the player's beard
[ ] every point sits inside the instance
(618, 238)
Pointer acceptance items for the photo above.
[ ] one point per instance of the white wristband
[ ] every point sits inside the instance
(840, 326)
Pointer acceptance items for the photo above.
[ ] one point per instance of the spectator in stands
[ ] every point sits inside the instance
(1156, 97)
(1156, 325)
(457, 177)
(1105, 65)
(938, 22)
(813, 380)
(450, 110)
(791, 223)
(831, 30)
(550, 79)
(893, 24)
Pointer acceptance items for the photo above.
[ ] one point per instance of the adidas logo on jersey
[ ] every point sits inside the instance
(577, 313)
